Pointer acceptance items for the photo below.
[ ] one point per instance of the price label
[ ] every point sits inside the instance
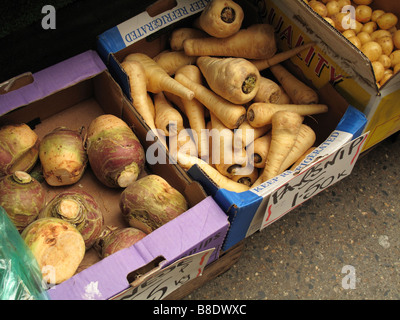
(158, 284)
(312, 181)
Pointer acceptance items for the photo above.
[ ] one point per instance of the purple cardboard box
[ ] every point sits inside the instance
(72, 93)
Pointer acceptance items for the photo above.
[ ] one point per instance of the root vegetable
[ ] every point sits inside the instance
(269, 91)
(113, 239)
(22, 197)
(246, 134)
(379, 34)
(175, 100)
(81, 210)
(150, 202)
(262, 64)
(396, 39)
(369, 27)
(138, 88)
(387, 20)
(387, 44)
(58, 247)
(301, 158)
(178, 36)
(259, 150)
(372, 50)
(19, 148)
(297, 90)
(167, 119)
(379, 70)
(363, 13)
(230, 114)
(115, 153)
(171, 61)
(305, 140)
(220, 18)
(226, 159)
(235, 79)
(255, 42)
(249, 176)
(260, 114)
(182, 142)
(213, 174)
(63, 156)
(395, 59)
(284, 98)
(285, 128)
(158, 79)
(194, 111)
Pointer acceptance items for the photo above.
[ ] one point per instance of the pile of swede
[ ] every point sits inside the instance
(60, 228)
(373, 31)
(211, 80)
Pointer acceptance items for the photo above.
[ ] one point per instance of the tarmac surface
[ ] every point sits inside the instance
(342, 244)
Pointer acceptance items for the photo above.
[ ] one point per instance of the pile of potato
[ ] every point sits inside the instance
(373, 31)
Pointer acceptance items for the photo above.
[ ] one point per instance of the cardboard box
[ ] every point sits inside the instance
(71, 94)
(250, 211)
(336, 60)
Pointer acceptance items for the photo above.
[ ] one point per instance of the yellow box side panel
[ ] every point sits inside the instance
(385, 121)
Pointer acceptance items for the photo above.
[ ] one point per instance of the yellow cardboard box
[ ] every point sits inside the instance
(336, 60)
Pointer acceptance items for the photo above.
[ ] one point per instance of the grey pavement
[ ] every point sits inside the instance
(342, 244)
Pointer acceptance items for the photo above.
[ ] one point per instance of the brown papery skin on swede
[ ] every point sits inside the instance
(150, 202)
(116, 155)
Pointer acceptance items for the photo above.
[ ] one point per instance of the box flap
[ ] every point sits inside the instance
(52, 79)
(143, 25)
(353, 122)
(330, 42)
(109, 276)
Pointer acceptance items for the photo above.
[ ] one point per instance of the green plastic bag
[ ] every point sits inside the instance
(20, 276)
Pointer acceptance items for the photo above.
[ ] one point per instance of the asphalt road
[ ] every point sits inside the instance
(342, 244)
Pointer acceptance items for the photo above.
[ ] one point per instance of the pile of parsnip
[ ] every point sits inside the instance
(211, 78)
(373, 31)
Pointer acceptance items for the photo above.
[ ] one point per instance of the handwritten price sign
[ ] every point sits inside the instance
(159, 284)
(312, 181)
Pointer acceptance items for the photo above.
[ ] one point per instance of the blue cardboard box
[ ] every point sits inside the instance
(338, 130)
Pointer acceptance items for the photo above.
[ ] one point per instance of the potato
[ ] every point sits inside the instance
(343, 21)
(372, 50)
(392, 30)
(379, 34)
(376, 14)
(396, 68)
(330, 21)
(363, 13)
(385, 78)
(318, 7)
(343, 3)
(369, 27)
(396, 39)
(387, 44)
(333, 8)
(385, 60)
(349, 33)
(356, 41)
(395, 58)
(359, 26)
(364, 37)
(387, 21)
(379, 70)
